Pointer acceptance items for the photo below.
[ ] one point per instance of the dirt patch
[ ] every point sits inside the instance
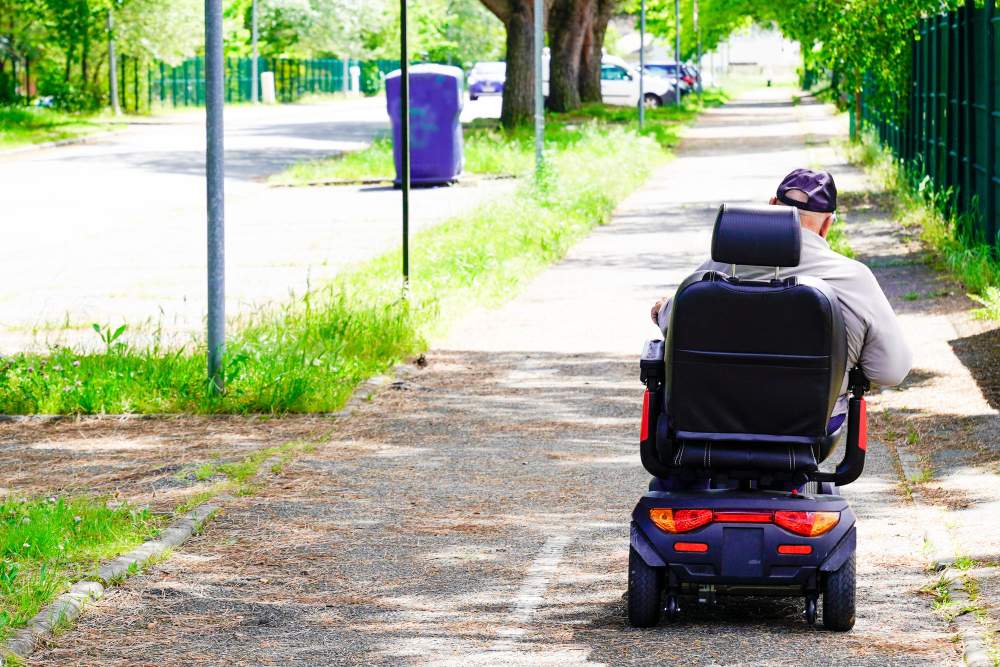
(154, 461)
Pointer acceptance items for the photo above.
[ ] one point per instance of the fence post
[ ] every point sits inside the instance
(989, 62)
(968, 113)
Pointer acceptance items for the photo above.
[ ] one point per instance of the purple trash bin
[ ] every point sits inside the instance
(437, 95)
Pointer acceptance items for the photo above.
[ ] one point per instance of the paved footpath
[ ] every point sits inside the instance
(477, 513)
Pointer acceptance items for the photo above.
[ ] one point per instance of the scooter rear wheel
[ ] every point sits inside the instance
(838, 597)
(643, 592)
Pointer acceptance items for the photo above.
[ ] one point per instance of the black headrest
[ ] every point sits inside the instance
(757, 236)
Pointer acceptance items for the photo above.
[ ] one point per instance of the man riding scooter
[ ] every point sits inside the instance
(875, 341)
(768, 351)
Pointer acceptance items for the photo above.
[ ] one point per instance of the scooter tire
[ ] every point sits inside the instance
(839, 597)
(644, 592)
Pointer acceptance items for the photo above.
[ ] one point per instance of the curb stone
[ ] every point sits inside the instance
(942, 551)
(68, 606)
(30, 148)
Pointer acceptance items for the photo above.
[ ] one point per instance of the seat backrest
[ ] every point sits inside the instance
(754, 360)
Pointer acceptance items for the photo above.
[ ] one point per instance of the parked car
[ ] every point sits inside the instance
(620, 84)
(668, 70)
(487, 78)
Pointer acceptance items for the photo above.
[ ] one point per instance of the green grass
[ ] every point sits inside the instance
(916, 202)
(47, 543)
(489, 150)
(21, 126)
(306, 355)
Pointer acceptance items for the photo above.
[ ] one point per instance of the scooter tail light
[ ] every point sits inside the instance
(744, 517)
(810, 524)
(679, 521)
(644, 430)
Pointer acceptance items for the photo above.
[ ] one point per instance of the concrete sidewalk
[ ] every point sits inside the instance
(477, 512)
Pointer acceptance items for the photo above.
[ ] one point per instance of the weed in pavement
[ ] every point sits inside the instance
(48, 542)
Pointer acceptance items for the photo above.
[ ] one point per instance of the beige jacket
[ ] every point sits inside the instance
(875, 341)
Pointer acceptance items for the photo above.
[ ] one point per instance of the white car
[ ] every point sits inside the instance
(620, 84)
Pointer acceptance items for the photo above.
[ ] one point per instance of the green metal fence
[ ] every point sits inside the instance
(947, 128)
(145, 85)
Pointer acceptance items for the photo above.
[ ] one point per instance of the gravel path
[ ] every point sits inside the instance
(477, 513)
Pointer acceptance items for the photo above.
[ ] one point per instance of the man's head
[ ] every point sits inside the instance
(814, 194)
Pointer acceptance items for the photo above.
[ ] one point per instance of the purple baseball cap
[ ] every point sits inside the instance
(818, 187)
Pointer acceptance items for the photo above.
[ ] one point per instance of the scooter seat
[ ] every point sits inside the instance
(737, 456)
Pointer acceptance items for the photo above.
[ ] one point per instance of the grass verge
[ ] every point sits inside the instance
(490, 151)
(307, 355)
(47, 543)
(22, 126)
(916, 202)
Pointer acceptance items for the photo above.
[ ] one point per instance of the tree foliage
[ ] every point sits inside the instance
(862, 40)
(64, 42)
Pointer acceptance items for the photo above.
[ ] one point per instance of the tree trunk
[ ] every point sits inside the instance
(569, 22)
(593, 44)
(85, 49)
(857, 111)
(69, 61)
(518, 17)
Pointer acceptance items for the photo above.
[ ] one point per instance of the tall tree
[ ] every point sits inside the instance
(518, 17)
(569, 22)
(593, 50)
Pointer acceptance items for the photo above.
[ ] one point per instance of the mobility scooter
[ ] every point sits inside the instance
(735, 424)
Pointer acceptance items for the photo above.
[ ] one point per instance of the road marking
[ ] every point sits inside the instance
(533, 590)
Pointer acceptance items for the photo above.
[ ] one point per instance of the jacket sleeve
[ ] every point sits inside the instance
(886, 356)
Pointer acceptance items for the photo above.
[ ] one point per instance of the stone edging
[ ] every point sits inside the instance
(65, 608)
(943, 554)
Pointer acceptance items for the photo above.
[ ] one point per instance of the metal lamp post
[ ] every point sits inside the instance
(677, 50)
(539, 101)
(254, 74)
(697, 30)
(214, 174)
(404, 94)
(642, 63)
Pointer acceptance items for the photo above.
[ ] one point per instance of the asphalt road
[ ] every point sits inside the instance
(114, 229)
(477, 512)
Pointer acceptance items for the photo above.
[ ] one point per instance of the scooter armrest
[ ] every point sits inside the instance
(857, 431)
(651, 364)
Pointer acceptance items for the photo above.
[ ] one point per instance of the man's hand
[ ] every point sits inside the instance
(656, 309)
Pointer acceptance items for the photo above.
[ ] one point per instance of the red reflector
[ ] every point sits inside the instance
(792, 549)
(698, 547)
(744, 517)
(644, 432)
(863, 426)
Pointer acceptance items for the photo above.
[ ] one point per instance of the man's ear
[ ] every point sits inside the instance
(827, 224)
(774, 200)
